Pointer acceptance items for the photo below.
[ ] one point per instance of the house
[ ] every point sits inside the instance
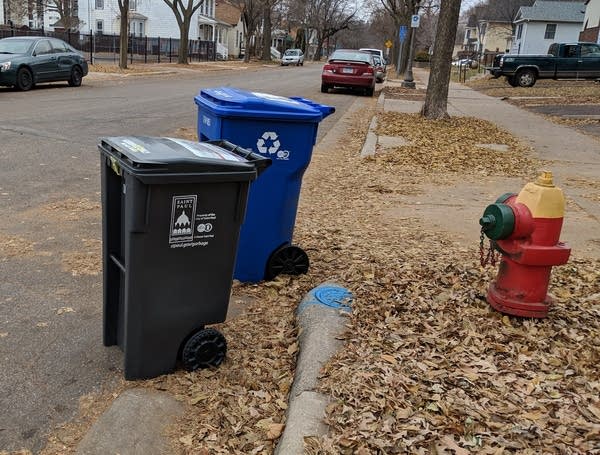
(538, 26)
(146, 18)
(231, 28)
(470, 39)
(591, 22)
(496, 35)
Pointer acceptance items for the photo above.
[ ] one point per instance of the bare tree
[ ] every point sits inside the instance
(400, 11)
(327, 17)
(67, 13)
(15, 11)
(251, 16)
(267, 10)
(436, 98)
(123, 33)
(183, 11)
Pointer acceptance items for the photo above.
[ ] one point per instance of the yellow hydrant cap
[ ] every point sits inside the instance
(545, 179)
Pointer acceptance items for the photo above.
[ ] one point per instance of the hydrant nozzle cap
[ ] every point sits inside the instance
(545, 179)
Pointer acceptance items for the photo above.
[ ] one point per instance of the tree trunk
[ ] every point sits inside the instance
(266, 48)
(247, 50)
(436, 99)
(184, 33)
(124, 34)
(319, 50)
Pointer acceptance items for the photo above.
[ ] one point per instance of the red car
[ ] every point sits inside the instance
(349, 68)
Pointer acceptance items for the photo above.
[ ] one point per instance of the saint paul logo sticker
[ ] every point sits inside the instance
(183, 216)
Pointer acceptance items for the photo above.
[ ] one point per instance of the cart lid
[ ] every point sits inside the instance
(143, 155)
(234, 102)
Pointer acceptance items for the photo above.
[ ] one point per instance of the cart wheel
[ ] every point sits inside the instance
(205, 348)
(289, 260)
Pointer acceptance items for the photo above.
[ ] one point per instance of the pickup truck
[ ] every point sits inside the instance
(563, 61)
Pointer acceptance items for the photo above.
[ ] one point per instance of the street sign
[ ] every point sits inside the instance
(388, 44)
(402, 33)
(415, 20)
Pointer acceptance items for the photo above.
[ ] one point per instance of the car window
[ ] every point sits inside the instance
(351, 56)
(59, 46)
(15, 46)
(291, 52)
(43, 47)
(571, 51)
(590, 51)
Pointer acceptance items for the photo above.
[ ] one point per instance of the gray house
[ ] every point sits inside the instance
(544, 23)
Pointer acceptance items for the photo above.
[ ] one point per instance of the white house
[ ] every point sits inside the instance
(545, 23)
(151, 18)
(230, 28)
(591, 22)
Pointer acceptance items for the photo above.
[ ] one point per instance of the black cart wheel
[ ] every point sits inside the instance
(289, 260)
(205, 348)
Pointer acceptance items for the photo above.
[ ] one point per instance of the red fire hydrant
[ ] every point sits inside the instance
(525, 229)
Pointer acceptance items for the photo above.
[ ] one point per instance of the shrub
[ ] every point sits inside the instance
(422, 56)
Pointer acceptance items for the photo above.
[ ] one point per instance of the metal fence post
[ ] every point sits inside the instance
(159, 51)
(146, 50)
(91, 47)
(170, 49)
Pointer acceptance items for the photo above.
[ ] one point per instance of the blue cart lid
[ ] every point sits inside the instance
(234, 102)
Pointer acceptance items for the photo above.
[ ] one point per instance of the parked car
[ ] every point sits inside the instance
(349, 68)
(463, 62)
(563, 61)
(377, 52)
(380, 69)
(292, 57)
(28, 60)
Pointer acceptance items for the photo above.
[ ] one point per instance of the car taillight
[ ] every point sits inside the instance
(369, 70)
(501, 61)
(328, 69)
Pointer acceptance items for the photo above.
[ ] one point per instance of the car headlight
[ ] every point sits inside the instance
(5, 66)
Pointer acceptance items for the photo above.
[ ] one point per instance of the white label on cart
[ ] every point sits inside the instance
(269, 144)
(183, 217)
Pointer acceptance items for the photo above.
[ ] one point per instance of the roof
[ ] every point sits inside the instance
(552, 12)
(226, 12)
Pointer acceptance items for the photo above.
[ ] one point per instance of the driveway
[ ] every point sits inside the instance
(50, 227)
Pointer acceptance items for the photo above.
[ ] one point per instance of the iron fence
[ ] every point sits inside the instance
(100, 47)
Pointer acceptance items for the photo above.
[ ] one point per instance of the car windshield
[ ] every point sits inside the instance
(353, 56)
(15, 46)
(291, 52)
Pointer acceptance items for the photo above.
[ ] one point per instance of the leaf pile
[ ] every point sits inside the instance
(428, 367)
(453, 145)
(395, 92)
(545, 91)
(12, 246)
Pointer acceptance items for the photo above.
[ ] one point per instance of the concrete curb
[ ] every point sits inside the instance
(322, 319)
(369, 148)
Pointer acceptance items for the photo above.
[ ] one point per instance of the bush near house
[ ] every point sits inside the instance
(422, 56)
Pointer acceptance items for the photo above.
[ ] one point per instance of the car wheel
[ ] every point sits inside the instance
(512, 81)
(370, 91)
(302, 64)
(525, 78)
(324, 88)
(24, 79)
(76, 77)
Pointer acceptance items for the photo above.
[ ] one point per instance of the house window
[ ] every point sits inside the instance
(99, 4)
(519, 31)
(550, 31)
(99, 27)
(132, 5)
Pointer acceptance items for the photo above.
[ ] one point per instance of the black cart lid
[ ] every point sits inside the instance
(143, 155)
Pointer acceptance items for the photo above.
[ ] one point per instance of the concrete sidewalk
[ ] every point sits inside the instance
(573, 157)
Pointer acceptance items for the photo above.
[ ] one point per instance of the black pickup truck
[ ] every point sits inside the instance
(563, 61)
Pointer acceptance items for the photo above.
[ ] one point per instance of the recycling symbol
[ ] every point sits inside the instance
(268, 143)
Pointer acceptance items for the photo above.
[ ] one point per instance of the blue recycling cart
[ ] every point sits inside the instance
(285, 130)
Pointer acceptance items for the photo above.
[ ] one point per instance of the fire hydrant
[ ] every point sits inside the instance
(525, 229)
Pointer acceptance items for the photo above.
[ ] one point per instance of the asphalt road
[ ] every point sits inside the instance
(51, 350)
